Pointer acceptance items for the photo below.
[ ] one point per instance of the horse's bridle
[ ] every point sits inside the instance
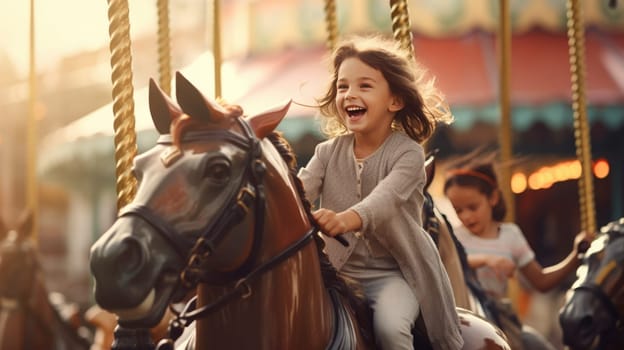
(249, 195)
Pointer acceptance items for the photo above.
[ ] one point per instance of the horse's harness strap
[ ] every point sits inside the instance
(599, 293)
(241, 287)
(161, 226)
(250, 194)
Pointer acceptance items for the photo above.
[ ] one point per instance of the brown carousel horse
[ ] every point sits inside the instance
(29, 318)
(219, 211)
(593, 314)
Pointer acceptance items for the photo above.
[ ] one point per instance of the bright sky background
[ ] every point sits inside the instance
(63, 27)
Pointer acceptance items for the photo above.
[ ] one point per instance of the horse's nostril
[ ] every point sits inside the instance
(587, 322)
(586, 328)
(131, 257)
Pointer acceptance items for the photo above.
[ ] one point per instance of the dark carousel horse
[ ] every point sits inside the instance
(467, 290)
(29, 320)
(220, 212)
(593, 314)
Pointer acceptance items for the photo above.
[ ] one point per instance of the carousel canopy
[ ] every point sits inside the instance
(465, 68)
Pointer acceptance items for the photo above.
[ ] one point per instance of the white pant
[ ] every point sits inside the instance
(395, 309)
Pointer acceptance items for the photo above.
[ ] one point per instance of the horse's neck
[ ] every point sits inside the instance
(11, 326)
(286, 220)
(288, 308)
(27, 326)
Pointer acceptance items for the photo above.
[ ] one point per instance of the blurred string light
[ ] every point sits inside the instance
(546, 176)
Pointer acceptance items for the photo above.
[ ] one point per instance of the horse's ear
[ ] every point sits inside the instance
(195, 104)
(25, 224)
(162, 108)
(264, 123)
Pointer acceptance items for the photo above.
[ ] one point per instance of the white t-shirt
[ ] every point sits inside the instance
(510, 243)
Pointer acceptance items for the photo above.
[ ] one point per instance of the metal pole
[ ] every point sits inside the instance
(331, 23)
(123, 102)
(164, 47)
(401, 26)
(31, 171)
(125, 140)
(216, 46)
(505, 136)
(576, 46)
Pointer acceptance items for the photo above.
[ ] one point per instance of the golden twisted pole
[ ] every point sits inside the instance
(401, 26)
(123, 103)
(164, 49)
(576, 49)
(125, 137)
(331, 24)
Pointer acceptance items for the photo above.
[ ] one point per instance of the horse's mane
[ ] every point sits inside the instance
(347, 287)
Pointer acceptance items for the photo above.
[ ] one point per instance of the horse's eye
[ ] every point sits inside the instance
(218, 171)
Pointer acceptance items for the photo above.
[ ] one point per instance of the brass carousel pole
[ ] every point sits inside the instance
(164, 47)
(331, 24)
(31, 175)
(505, 136)
(401, 26)
(123, 102)
(125, 140)
(576, 45)
(216, 46)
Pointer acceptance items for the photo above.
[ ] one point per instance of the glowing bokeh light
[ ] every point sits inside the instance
(518, 183)
(547, 176)
(601, 168)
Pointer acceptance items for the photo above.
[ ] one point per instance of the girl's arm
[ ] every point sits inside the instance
(503, 266)
(477, 260)
(544, 279)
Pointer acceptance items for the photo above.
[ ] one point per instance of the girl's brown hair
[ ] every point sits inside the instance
(408, 81)
(479, 173)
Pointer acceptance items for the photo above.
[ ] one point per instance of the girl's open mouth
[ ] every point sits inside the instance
(355, 111)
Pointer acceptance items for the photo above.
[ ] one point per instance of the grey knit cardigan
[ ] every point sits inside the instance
(392, 185)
